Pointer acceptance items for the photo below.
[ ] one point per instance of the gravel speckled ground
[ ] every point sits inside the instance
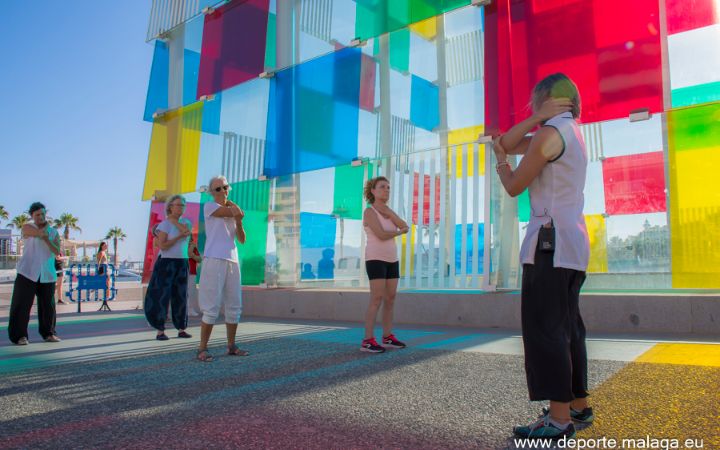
(304, 386)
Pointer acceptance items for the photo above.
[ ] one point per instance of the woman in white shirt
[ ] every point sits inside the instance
(168, 283)
(554, 254)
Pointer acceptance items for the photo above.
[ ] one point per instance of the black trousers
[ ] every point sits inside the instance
(24, 293)
(167, 289)
(553, 331)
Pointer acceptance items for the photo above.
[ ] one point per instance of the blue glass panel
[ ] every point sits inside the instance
(313, 114)
(317, 242)
(469, 247)
(191, 65)
(424, 104)
(157, 94)
(211, 115)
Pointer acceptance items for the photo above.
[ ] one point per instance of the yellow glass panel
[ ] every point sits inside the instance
(695, 218)
(694, 153)
(403, 250)
(426, 28)
(462, 136)
(597, 231)
(173, 156)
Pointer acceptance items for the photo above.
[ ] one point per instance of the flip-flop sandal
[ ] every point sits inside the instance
(204, 356)
(235, 351)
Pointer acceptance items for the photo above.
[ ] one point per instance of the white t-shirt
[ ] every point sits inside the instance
(38, 262)
(220, 234)
(180, 248)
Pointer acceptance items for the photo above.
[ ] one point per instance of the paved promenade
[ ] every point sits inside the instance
(109, 384)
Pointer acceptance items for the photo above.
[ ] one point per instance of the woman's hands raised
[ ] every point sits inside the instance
(552, 107)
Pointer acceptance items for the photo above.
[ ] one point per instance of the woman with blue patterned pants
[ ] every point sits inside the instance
(168, 284)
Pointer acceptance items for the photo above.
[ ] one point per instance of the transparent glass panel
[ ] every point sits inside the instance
(695, 66)
(313, 114)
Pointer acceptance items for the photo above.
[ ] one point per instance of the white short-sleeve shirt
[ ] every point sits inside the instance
(180, 248)
(38, 262)
(220, 234)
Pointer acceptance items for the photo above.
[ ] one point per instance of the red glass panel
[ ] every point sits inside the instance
(610, 48)
(426, 200)
(233, 45)
(684, 15)
(634, 184)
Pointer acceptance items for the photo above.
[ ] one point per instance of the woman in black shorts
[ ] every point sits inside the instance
(382, 225)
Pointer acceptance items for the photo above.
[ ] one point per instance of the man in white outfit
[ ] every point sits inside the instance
(36, 277)
(220, 276)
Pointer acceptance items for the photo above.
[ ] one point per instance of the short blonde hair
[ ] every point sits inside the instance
(168, 203)
(557, 85)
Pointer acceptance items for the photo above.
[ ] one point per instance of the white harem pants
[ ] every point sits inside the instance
(220, 286)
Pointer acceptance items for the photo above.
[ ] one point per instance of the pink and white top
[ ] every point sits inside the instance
(377, 249)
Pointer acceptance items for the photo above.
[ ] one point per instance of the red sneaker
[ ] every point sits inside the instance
(392, 342)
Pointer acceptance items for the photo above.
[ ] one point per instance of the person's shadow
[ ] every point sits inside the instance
(326, 266)
(307, 273)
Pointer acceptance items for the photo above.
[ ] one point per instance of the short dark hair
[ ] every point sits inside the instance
(35, 206)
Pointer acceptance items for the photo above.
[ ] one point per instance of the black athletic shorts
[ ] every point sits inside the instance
(382, 270)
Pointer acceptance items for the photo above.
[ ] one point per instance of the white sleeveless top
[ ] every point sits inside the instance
(557, 193)
(38, 262)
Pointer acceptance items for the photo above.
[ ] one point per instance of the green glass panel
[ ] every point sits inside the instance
(694, 95)
(253, 198)
(524, 206)
(375, 17)
(399, 44)
(252, 195)
(348, 193)
(694, 128)
(270, 47)
(252, 253)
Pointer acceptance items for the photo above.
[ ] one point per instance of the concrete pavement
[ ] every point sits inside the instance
(109, 384)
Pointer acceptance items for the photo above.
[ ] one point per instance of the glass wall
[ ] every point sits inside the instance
(300, 102)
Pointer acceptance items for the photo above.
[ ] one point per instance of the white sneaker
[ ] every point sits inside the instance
(22, 341)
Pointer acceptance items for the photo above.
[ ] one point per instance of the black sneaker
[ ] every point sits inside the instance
(162, 337)
(371, 346)
(544, 429)
(585, 416)
(184, 334)
(392, 342)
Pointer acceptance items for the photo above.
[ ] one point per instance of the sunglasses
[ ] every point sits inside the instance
(222, 188)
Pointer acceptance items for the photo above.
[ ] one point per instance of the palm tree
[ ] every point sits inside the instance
(19, 221)
(115, 233)
(69, 222)
(3, 213)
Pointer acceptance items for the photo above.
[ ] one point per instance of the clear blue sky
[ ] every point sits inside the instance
(73, 84)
